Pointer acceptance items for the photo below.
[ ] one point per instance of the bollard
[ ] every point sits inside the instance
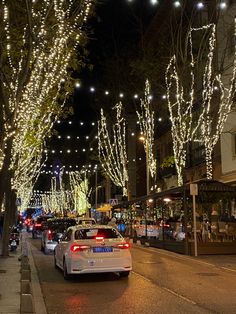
(26, 287)
(26, 305)
(25, 274)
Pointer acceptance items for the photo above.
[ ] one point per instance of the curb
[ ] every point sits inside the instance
(31, 298)
(39, 303)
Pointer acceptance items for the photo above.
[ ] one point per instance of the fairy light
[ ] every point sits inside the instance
(180, 109)
(212, 127)
(147, 125)
(33, 104)
(112, 148)
(80, 190)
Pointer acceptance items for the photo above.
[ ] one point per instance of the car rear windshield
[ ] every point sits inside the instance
(92, 233)
(60, 225)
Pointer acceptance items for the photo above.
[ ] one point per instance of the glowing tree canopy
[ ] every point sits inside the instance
(147, 126)
(80, 191)
(38, 41)
(112, 148)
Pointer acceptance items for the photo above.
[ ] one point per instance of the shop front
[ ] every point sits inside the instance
(166, 219)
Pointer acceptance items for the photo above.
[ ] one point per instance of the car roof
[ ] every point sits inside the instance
(78, 227)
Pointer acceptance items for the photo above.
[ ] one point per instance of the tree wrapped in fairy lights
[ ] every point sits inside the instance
(38, 43)
(147, 127)
(218, 94)
(205, 122)
(80, 191)
(112, 148)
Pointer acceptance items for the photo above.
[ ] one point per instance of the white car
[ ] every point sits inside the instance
(86, 221)
(142, 227)
(93, 249)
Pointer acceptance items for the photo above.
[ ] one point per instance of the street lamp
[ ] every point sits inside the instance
(143, 139)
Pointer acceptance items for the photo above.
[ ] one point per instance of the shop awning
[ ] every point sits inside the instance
(104, 208)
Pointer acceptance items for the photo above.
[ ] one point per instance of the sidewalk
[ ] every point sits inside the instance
(10, 281)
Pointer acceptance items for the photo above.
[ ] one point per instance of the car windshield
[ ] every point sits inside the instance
(92, 233)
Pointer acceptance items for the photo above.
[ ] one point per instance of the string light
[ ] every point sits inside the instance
(147, 125)
(212, 125)
(31, 108)
(112, 148)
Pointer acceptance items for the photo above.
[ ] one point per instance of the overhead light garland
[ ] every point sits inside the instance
(112, 148)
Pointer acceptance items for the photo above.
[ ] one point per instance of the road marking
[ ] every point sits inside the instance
(141, 276)
(164, 288)
(179, 295)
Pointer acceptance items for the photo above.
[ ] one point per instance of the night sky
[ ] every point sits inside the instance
(114, 28)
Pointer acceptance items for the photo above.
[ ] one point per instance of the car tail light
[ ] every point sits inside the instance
(125, 245)
(49, 234)
(99, 238)
(79, 248)
(38, 225)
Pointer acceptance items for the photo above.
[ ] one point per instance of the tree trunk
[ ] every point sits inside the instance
(9, 215)
(10, 203)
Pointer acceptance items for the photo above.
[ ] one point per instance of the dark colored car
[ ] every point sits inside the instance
(38, 226)
(54, 228)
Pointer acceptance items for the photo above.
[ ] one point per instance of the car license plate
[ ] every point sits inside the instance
(105, 249)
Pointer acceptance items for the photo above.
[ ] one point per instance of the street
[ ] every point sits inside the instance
(161, 282)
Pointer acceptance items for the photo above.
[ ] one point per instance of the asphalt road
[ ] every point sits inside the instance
(161, 282)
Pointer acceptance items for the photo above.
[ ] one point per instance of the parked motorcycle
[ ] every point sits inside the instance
(14, 239)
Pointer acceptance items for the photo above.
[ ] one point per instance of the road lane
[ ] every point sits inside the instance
(158, 284)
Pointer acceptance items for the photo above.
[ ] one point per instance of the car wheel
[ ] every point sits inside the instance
(124, 274)
(46, 251)
(65, 273)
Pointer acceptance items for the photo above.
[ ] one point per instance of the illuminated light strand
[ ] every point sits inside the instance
(112, 148)
(80, 191)
(34, 105)
(147, 125)
(180, 105)
(212, 125)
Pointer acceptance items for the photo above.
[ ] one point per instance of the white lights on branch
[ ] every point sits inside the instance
(35, 65)
(147, 125)
(112, 148)
(183, 127)
(216, 102)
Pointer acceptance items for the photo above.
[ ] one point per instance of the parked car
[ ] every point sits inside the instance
(140, 227)
(54, 229)
(93, 249)
(86, 221)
